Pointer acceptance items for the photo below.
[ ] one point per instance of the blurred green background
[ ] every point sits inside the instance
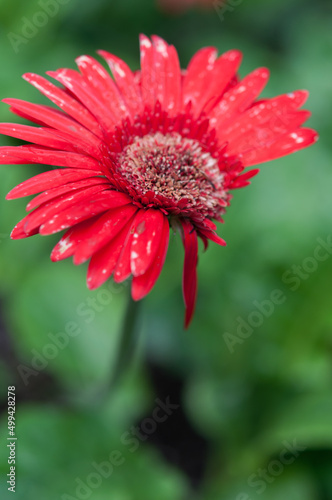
(241, 396)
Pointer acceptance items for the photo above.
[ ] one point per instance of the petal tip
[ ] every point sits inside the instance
(10, 195)
(144, 41)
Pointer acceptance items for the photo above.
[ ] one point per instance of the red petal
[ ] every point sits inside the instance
(222, 73)
(262, 122)
(142, 285)
(104, 86)
(122, 270)
(125, 81)
(36, 154)
(12, 160)
(259, 137)
(146, 239)
(207, 223)
(53, 118)
(48, 212)
(239, 98)
(292, 100)
(123, 267)
(50, 194)
(147, 71)
(242, 180)
(284, 145)
(86, 93)
(173, 91)
(103, 231)
(67, 103)
(189, 282)
(19, 232)
(53, 178)
(102, 263)
(37, 135)
(204, 240)
(198, 75)
(84, 210)
(70, 240)
(160, 56)
(167, 75)
(211, 235)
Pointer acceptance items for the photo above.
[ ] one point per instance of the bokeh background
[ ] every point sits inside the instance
(241, 396)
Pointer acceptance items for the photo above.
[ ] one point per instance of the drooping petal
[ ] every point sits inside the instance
(67, 245)
(211, 235)
(204, 240)
(122, 269)
(146, 239)
(209, 225)
(102, 263)
(143, 284)
(103, 231)
(189, 281)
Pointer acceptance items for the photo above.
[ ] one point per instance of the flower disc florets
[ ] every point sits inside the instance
(174, 168)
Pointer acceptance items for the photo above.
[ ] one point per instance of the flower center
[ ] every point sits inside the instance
(174, 169)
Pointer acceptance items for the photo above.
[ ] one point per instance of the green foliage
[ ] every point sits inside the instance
(247, 397)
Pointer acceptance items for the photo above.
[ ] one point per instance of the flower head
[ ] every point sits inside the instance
(142, 150)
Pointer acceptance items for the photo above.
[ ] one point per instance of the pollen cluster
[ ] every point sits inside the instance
(174, 168)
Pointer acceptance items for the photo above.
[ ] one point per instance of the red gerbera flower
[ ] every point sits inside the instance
(143, 150)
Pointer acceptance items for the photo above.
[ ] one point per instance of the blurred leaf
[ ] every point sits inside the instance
(52, 440)
(63, 327)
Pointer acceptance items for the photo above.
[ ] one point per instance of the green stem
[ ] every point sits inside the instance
(128, 340)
